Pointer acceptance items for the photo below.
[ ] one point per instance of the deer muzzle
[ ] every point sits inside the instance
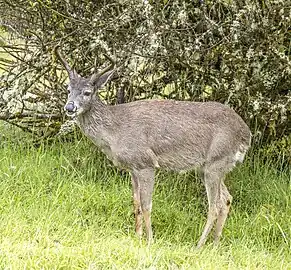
(70, 108)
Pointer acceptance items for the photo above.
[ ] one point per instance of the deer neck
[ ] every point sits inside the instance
(96, 122)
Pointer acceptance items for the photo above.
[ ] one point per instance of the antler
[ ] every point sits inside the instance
(96, 76)
(63, 61)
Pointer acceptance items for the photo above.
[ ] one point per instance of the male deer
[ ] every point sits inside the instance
(177, 135)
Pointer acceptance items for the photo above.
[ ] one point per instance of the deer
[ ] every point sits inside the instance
(144, 135)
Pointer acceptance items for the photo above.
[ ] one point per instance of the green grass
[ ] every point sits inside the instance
(64, 206)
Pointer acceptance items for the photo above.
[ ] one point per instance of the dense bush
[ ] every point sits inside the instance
(232, 51)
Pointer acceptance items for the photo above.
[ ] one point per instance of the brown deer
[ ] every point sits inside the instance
(176, 135)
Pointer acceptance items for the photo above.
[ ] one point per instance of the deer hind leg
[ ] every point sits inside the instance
(224, 206)
(212, 186)
(219, 199)
(137, 204)
(146, 184)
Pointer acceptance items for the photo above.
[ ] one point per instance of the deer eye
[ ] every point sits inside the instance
(87, 93)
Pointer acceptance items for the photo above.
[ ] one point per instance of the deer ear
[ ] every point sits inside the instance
(103, 79)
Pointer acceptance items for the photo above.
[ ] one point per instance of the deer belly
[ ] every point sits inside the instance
(180, 161)
(129, 158)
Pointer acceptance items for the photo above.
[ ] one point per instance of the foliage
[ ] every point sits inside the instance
(278, 151)
(62, 209)
(237, 52)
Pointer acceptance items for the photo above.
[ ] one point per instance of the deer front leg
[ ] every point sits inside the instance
(137, 204)
(146, 181)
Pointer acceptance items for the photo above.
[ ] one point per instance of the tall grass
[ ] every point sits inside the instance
(63, 206)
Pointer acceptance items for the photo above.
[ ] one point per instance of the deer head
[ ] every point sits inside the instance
(81, 91)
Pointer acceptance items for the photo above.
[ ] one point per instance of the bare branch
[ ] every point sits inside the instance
(7, 116)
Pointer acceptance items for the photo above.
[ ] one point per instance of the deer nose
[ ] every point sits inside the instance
(70, 107)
